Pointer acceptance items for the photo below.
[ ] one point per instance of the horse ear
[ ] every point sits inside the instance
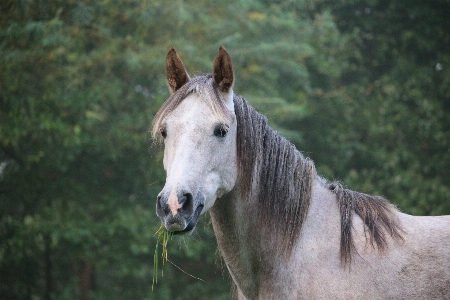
(176, 74)
(223, 71)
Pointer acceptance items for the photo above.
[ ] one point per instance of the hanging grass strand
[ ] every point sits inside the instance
(163, 237)
(185, 271)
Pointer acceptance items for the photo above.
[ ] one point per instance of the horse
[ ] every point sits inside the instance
(283, 231)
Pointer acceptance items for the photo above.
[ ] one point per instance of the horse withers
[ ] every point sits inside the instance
(284, 231)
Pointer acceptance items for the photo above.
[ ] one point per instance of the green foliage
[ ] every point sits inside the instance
(361, 87)
(385, 120)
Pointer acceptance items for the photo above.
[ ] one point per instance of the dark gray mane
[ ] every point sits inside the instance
(274, 174)
(377, 214)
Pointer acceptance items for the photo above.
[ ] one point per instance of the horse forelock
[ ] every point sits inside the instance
(273, 174)
(207, 90)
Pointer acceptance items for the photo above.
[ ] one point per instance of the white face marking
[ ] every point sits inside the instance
(194, 158)
(173, 202)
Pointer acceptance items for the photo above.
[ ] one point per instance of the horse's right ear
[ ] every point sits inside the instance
(176, 74)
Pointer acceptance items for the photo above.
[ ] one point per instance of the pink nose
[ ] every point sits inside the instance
(180, 213)
(174, 204)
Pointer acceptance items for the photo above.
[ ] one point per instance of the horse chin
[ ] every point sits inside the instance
(191, 223)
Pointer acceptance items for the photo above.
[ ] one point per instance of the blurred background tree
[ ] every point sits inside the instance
(362, 87)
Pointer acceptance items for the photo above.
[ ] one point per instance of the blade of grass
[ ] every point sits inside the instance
(163, 237)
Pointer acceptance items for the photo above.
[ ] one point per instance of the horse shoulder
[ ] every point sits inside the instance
(426, 253)
(315, 270)
(417, 266)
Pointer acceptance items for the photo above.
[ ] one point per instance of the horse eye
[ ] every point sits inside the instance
(163, 132)
(221, 130)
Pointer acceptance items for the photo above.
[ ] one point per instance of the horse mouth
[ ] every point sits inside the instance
(191, 222)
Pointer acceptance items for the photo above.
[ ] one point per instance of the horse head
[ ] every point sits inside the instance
(198, 127)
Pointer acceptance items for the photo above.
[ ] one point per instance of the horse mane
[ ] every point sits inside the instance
(279, 178)
(377, 214)
(273, 173)
(276, 175)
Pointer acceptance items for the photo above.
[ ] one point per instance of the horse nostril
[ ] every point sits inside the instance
(187, 204)
(161, 206)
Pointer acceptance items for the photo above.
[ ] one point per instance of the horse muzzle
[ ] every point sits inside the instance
(179, 212)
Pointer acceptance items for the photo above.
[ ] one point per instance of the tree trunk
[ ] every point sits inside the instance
(48, 269)
(85, 273)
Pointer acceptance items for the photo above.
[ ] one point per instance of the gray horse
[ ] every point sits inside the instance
(284, 231)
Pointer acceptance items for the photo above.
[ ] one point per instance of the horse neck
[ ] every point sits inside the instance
(250, 252)
(245, 249)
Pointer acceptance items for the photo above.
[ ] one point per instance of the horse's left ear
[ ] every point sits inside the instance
(223, 71)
